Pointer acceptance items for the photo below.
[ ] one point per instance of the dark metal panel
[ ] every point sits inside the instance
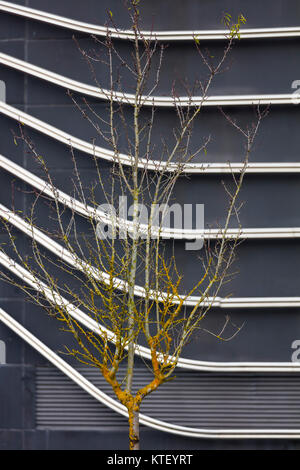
(61, 405)
(265, 335)
(278, 139)
(12, 27)
(11, 439)
(11, 397)
(13, 344)
(198, 400)
(250, 68)
(14, 83)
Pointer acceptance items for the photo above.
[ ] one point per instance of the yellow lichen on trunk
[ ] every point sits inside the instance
(134, 428)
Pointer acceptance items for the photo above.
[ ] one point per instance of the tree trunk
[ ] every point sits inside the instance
(134, 429)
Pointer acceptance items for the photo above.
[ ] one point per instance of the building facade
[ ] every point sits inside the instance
(247, 387)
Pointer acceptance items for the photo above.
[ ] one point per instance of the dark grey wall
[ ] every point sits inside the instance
(266, 268)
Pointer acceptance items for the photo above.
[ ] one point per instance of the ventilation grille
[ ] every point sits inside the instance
(192, 399)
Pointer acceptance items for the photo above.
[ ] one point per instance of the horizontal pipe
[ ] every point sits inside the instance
(74, 25)
(103, 398)
(128, 98)
(156, 165)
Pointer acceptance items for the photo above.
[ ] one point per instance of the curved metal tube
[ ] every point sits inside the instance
(100, 216)
(127, 98)
(74, 25)
(144, 352)
(101, 276)
(96, 393)
(100, 152)
(89, 211)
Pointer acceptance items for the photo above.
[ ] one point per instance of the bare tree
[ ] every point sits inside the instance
(125, 282)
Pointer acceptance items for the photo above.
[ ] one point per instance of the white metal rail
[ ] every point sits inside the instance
(100, 216)
(103, 398)
(127, 98)
(156, 165)
(97, 214)
(144, 352)
(74, 25)
(73, 260)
